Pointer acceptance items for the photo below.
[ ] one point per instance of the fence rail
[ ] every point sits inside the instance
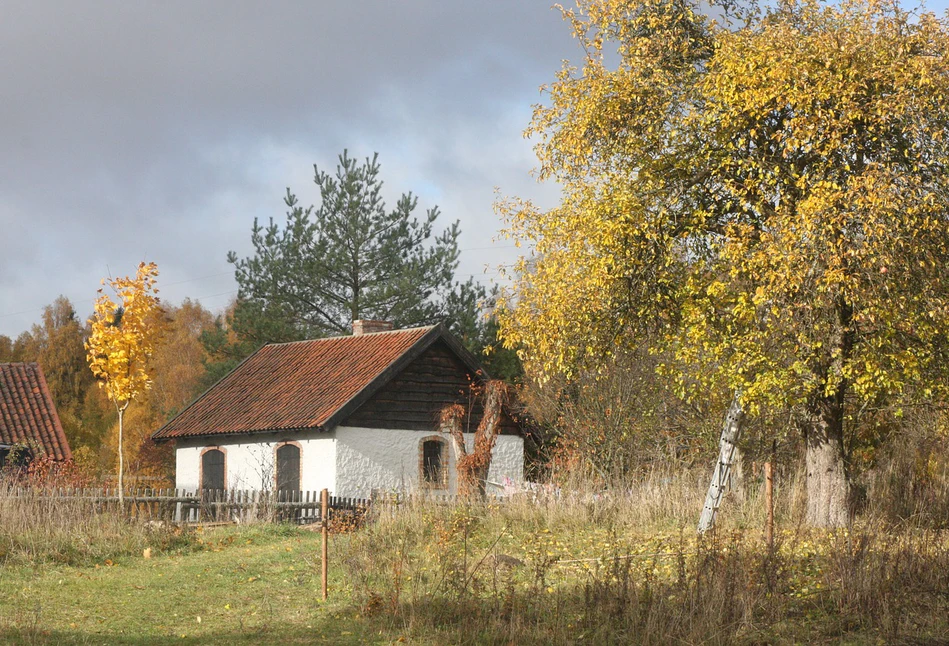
(206, 506)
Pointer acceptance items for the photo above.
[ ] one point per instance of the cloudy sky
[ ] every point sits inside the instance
(158, 131)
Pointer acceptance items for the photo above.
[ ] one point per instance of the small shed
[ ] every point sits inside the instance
(353, 414)
(29, 424)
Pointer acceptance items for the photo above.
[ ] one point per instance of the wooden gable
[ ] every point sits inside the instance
(413, 398)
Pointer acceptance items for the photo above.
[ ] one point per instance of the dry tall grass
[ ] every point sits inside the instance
(37, 526)
(627, 567)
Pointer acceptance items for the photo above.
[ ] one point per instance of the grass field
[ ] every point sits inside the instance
(568, 571)
(248, 585)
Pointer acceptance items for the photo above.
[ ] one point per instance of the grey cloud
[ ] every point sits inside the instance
(164, 128)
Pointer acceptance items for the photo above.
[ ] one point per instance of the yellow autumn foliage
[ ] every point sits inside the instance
(759, 192)
(123, 335)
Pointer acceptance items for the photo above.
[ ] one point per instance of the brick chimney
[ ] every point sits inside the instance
(363, 326)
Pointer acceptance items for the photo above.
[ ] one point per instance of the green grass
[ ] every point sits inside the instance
(252, 585)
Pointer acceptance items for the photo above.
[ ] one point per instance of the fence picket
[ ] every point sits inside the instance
(183, 506)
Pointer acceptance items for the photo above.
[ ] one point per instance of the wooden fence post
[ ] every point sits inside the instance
(769, 498)
(324, 510)
(769, 493)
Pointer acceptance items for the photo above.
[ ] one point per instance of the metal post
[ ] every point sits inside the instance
(324, 510)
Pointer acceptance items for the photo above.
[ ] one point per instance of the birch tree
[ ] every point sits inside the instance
(122, 340)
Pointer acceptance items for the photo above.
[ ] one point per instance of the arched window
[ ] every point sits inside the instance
(212, 469)
(433, 463)
(288, 468)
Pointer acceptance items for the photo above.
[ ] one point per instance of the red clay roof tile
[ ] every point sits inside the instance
(299, 385)
(27, 412)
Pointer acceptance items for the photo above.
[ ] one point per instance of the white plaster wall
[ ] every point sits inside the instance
(249, 460)
(507, 461)
(349, 461)
(187, 465)
(388, 460)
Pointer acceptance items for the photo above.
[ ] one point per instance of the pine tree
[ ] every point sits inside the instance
(351, 257)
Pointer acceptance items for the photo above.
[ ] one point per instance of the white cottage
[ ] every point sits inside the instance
(352, 414)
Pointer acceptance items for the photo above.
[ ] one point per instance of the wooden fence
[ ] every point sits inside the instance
(207, 506)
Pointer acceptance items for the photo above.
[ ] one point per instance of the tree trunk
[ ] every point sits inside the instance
(495, 394)
(736, 476)
(473, 467)
(121, 478)
(828, 486)
(450, 423)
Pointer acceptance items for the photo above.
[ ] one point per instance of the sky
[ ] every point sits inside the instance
(143, 130)
(158, 131)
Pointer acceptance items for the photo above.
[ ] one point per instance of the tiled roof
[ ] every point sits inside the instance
(301, 385)
(27, 412)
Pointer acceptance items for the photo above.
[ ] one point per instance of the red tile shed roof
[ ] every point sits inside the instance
(302, 385)
(27, 412)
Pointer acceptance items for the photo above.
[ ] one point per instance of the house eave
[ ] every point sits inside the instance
(250, 433)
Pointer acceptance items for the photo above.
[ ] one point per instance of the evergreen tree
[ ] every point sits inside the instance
(351, 257)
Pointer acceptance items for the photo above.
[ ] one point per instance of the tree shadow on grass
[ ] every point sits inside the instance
(341, 632)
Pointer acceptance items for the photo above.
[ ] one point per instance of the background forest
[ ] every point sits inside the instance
(89, 419)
